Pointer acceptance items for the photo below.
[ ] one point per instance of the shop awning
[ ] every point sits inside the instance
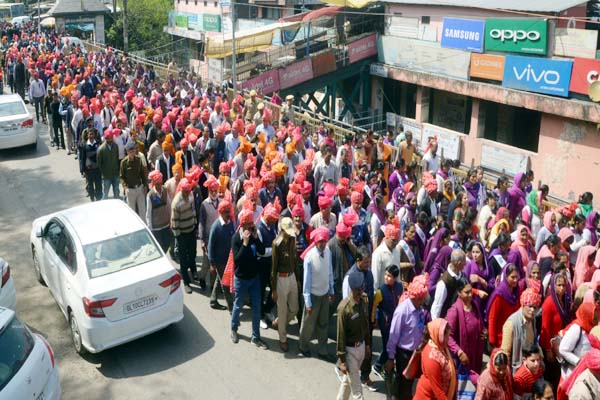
(219, 46)
(350, 3)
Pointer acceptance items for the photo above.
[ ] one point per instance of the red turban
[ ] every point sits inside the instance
(250, 129)
(356, 198)
(224, 205)
(129, 94)
(155, 177)
(342, 230)
(417, 289)
(183, 144)
(350, 218)
(268, 177)
(342, 190)
(108, 133)
(211, 183)
(531, 298)
(270, 212)
(250, 163)
(251, 193)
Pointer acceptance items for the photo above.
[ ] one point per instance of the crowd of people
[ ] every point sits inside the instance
(312, 227)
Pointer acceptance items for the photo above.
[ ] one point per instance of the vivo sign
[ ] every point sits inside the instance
(538, 75)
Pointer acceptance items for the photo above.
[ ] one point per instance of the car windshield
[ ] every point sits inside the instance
(119, 253)
(10, 109)
(16, 343)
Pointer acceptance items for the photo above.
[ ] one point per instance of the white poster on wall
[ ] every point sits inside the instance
(503, 160)
(448, 141)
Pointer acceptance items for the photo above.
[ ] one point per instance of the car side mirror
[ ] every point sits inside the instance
(40, 232)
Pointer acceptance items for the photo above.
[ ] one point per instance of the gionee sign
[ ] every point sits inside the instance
(528, 36)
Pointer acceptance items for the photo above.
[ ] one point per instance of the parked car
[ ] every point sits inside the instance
(107, 273)
(18, 21)
(28, 369)
(73, 41)
(8, 294)
(16, 124)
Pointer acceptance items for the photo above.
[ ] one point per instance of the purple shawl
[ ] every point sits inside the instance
(440, 264)
(514, 257)
(487, 273)
(564, 312)
(374, 210)
(410, 211)
(517, 197)
(589, 225)
(472, 193)
(463, 339)
(434, 241)
(504, 291)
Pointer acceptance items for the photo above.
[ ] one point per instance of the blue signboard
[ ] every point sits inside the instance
(541, 75)
(463, 34)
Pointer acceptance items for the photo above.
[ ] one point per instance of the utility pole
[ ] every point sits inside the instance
(233, 58)
(125, 35)
(39, 19)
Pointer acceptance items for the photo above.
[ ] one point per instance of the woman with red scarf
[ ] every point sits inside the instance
(495, 383)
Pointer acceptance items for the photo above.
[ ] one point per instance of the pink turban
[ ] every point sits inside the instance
(246, 217)
(350, 218)
(185, 185)
(298, 211)
(417, 289)
(108, 134)
(325, 202)
(531, 298)
(356, 197)
(270, 212)
(306, 187)
(342, 230)
(431, 186)
(392, 232)
(224, 205)
(320, 234)
(155, 177)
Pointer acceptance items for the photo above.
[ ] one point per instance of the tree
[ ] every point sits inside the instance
(145, 20)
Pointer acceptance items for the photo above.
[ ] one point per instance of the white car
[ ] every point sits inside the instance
(8, 295)
(16, 124)
(18, 21)
(28, 369)
(107, 273)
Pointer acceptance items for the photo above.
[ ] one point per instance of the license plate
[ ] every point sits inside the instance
(140, 304)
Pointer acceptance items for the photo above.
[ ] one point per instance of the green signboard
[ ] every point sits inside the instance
(181, 21)
(528, 36)
(211, 22)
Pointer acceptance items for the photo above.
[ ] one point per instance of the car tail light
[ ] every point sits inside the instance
(174, 282)
(95, 309)
(28, 123)
(5, 275)
(50, 352)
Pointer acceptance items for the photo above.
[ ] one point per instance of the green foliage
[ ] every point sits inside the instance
(145, 19)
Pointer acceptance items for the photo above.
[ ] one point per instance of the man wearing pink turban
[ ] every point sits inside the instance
(183, 224)
(158, 210)
(267, 230)
(317, 292)
(246, 247)
(324, 218)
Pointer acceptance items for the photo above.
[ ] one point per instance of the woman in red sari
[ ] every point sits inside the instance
(495, 383)
(503, 302)
(439, 378)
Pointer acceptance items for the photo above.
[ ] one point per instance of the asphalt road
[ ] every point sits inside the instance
(193, 359)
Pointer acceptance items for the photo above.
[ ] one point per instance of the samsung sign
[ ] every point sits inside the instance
(541, 75)
(463, 34)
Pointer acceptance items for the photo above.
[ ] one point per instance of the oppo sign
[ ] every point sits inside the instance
(516, 35)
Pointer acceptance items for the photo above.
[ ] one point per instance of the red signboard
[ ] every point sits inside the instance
(296, 73)
(267, 82)
(362, 48)
(323, 63)
(584, 72)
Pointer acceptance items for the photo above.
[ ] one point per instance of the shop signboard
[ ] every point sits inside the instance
(211, 22)
(266, 83)
(487, 66)
(463, 34)
(181, 21)
(575, 42)
(362, 48)
(528, 36)
(323, 63)
(295, 73)
(585, 71)
(541, 75)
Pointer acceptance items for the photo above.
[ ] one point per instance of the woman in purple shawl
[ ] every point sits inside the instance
(590, 229)
(440, 265)
(440, 239)
(467, 329)
(472, 188)
(514, 257)
(479, 273)
(502, 303)
(408, 212)
(517, 195)
(376, 216)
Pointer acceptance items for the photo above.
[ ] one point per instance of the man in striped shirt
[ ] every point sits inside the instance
(183, 224)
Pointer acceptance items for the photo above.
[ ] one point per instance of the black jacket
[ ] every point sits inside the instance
(245, 258)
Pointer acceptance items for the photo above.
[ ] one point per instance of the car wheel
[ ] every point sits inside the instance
(32, 146)
(76, 335)
(36, 267)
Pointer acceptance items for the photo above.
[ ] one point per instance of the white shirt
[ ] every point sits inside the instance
(231, 145)
(382, 257)
(432, 161)
(573, 346)
(441, 292)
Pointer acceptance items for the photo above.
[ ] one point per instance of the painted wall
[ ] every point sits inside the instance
(192, 8)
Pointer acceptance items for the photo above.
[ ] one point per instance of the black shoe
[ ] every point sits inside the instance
(259, 343)
(202, 283)
(234, 336)
(218, 306)
(187, 289)
(305, 354)
(196, 277)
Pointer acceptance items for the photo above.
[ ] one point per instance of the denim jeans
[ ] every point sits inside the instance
(243, 288)
(114, 182)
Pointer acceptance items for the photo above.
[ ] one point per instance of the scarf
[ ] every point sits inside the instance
(544, 253)
(462, 321)
(517, 196)
(506, 383)
(562, 311)
(524, 246)
(532, 201)
(589, 224)
(436, 329)
(548, 221)
(448, 195)
(586, 209)
(374, 210)
(434, 241)
(511, 296)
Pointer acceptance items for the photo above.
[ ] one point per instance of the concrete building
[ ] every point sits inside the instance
(508, 103)
(83, 18)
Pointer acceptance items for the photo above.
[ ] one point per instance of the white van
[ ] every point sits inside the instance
(18, 21)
